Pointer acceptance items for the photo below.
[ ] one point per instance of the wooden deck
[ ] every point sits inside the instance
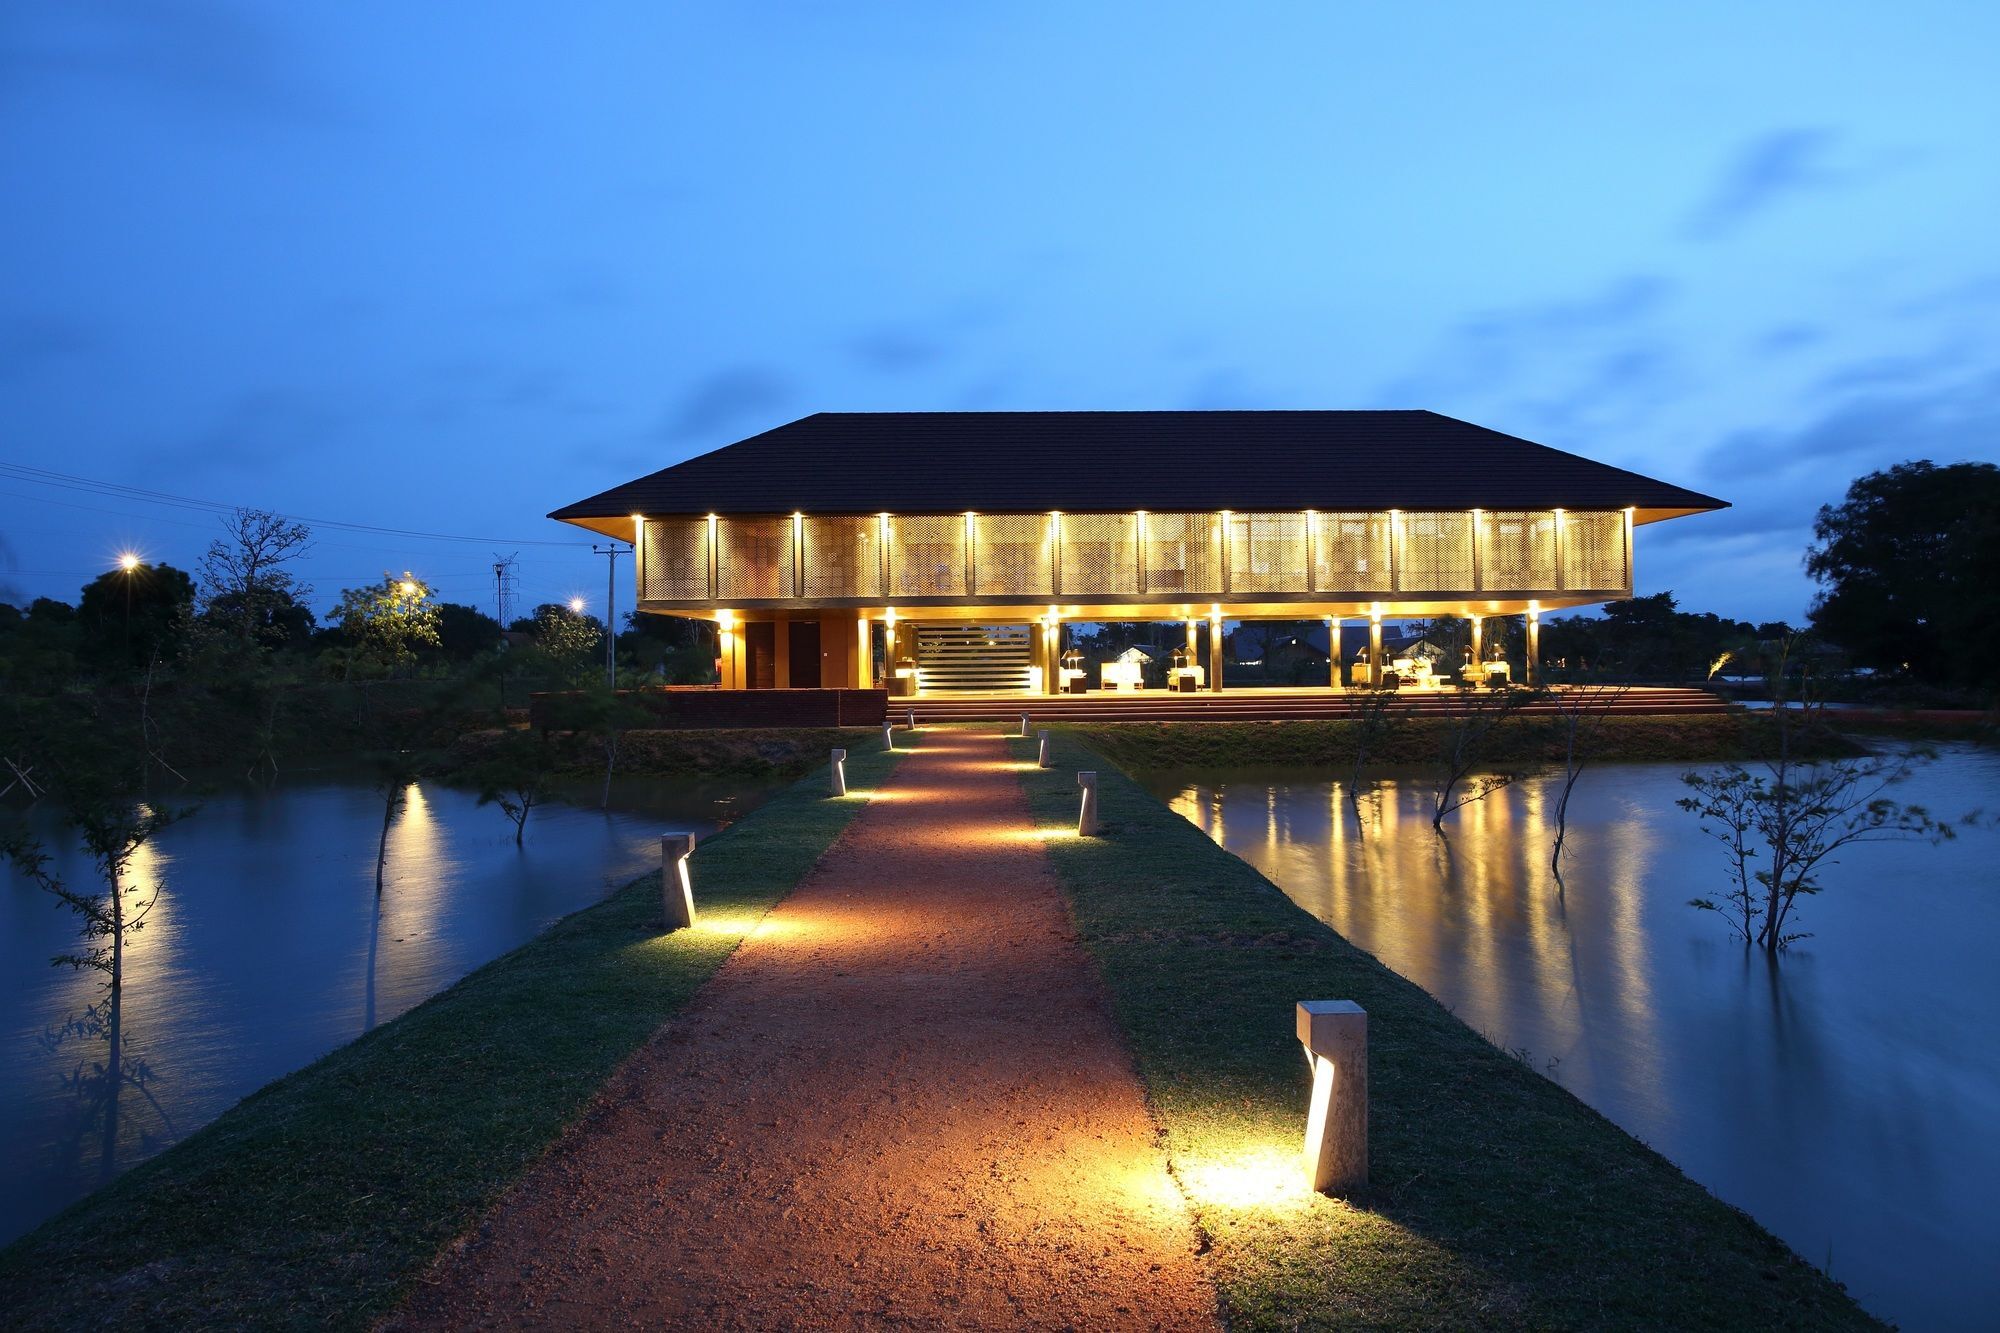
(1250, 705)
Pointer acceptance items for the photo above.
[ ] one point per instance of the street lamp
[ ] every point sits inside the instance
(576, 605)
(128, 563)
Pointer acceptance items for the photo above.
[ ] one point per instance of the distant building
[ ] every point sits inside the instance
(936, 551)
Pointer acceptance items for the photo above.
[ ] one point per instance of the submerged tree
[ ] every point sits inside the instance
(1783, 826)
(1375, 716)
(1580, 714)
(1468, 745)
(514, 774)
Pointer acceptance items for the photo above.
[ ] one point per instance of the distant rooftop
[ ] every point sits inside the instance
(1032, 462)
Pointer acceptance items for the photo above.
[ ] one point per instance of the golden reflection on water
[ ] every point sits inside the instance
(1476, 917)
(404, 932)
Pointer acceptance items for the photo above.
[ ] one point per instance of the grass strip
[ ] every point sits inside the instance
(315, 1201)
(1498, 1199)
(1531, 740)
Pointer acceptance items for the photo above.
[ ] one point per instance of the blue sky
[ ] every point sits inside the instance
(443, 267)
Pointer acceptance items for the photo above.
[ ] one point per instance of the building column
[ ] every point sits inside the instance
(863, 674)
(1051, 655)
(781, 654)
(1534, 662)
(1333, 652)
(1215, 651)
(1478, 648)
(1375, 652)
(729, 648)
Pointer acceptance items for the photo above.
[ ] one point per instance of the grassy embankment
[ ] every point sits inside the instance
(1526, 741)
(758, 752)
(316, 1200)
(1498, 1199)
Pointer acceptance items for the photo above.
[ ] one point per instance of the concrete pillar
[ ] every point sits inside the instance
(781, 654)
(1533, 666)
(1333, 663)
(729, 647)
(1479, 649)
(1052, 656)
(1215, 652)
(836, 774)
(1087, 824)
(863, 674)
(1335, 1036)
(1375, 652)
(676, 889)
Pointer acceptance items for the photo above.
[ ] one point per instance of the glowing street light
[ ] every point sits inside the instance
(408, 587)
(576, 605)
(128, 562)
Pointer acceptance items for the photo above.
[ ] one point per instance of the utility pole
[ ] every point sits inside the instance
(611, 554)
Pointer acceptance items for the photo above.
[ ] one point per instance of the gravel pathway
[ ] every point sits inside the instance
(902, 1102)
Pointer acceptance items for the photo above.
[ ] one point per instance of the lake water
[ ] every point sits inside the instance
(1847, 1097)
(266, 950)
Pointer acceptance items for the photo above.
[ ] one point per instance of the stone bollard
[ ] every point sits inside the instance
(676, 889)
(836, 780)
(1042, 749)
(888, 735)
(1335, 1035)
(1086, 815)
(1024, 726)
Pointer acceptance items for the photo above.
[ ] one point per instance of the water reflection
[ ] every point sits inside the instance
(1844, 1096)
(267, 947)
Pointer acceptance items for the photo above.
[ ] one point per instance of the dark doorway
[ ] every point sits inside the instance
(805, 654)
(760, 646)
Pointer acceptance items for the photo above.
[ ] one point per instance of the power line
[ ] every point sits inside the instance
(143, 495)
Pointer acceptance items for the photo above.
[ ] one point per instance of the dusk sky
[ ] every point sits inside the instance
(444, 267)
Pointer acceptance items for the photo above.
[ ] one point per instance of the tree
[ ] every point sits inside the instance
(1909, 571)
(1376, 716)
(1467, 745)
(387, 622)
(246, 589)
(514, 775)
(465, 632)
(1795, 816)
(129, 616)
(570, 640)
(1580, 714)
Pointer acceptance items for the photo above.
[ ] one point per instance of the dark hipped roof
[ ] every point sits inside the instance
(1031, 462)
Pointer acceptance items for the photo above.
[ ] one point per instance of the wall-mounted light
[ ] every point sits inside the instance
(1334, 1034)
(676, 888)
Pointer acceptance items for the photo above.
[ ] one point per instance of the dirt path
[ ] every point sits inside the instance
(902, 1102)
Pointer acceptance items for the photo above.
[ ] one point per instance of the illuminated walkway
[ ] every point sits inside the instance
(903, 1101)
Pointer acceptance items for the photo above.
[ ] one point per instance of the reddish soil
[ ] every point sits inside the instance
(902, 1102)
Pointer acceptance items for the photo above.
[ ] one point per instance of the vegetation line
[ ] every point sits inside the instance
(317, 1200)
(1498, 1200)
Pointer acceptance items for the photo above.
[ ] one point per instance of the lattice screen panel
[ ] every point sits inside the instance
(926, 555)
(1010, 555)
(1517, 550)
(842, 557)
(1436, 553)
(1267, 553)
(1100, 554)
(1183, 554)
(753, 558)
(673, 560)
(1593, 551)
(1351, 552)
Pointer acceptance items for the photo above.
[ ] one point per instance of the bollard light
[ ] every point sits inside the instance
(913, 719)
(1335, 1036)
(888, 735)
(1042, 752)
(1086, 814)
(1024, 726)
(836, 779)
(676, 889)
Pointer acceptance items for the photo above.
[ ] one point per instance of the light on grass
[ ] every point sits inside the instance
(676, 889)
(1263, 1178)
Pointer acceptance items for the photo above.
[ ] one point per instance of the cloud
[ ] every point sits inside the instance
(250, 432)
(1764, 171)
(1597, 352)
(29, 344)
(1787, 338)
(724, 400)
(895, 349)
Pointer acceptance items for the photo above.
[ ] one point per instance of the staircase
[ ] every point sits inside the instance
(1256, 706)
(973, 659)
